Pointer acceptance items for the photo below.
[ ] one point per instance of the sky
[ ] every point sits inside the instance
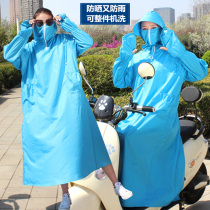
(137, 7)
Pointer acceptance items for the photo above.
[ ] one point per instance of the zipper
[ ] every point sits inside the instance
(151, 45)
(153, 54)
(149, 36)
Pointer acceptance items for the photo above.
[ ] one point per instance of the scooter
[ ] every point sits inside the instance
(95, 192)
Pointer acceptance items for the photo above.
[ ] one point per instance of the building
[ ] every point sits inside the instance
(185, 16)
(14, 10)
(167, 14)
(23, 9)
(201, 9)
(29, 7)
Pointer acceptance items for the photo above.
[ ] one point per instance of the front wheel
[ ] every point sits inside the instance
(193, 196)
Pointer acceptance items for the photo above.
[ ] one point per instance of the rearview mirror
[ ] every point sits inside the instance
(82, 68)
(146, 70)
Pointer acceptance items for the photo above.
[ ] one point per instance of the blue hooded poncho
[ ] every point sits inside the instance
(61, 139)
(152, 153)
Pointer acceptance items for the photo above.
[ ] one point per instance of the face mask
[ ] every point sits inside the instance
(151, 36)
(45, 32)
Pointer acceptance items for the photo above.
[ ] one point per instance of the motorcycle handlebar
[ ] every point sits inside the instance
(140, 108)
(147, 109)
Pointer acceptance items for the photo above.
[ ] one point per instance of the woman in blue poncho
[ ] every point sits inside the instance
(151, 147)
(61, 139)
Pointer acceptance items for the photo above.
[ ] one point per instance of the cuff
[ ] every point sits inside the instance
(26, 33)
(62, 15)
(26, 25)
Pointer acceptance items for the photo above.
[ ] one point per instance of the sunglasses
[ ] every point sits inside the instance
(40, 23)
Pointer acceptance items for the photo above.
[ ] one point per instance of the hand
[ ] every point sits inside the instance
(32, 21)
(134, 51)
(164, 48)
(57, 19)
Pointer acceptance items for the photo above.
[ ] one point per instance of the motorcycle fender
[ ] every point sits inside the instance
(83, 198)
(103, 188)
(195, 151)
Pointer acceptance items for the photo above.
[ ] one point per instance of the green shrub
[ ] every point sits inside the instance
(2, 57)
(187, 42)
(206, 57)
(139, 43)
(11, 76)
(106, 37)
(1, 81)
(102, 51)
(99, 73)
(203, 105)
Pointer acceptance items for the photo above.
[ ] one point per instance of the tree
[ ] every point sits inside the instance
(198, 32)
(6, 32)
(3, 38)
(201, 35)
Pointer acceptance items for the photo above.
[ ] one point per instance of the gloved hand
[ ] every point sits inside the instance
(128, 45)
(172, 43)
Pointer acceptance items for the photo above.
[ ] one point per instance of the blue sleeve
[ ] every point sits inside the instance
(195, 68)
(82, 39)
(15, 52)
(123, 66)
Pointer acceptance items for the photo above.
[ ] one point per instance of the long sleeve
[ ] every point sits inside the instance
(15, 52)
(82, 39)
(195, 68)
(122, 69)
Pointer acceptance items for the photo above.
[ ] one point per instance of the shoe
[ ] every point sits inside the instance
(65, 203)
(121, 191)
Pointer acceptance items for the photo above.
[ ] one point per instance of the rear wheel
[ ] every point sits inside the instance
(193, 196)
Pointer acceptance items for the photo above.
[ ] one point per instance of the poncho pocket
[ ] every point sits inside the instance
(74, 81)
(28, 99)
(163, 104)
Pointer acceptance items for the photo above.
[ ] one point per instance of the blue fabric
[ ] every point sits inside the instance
(45, 32)
(154, 33)
(61, 139)
(152, 153)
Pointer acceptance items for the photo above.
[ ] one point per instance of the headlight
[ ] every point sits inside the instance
(100, 174)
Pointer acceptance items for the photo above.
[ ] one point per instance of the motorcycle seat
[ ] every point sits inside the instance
(188, 128)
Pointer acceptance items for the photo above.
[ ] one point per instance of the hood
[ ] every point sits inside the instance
(45, 32)
(151, 17)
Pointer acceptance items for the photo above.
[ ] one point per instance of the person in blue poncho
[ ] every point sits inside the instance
(61, 139)
(152, 153)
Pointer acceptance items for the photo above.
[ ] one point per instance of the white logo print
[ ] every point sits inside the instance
(110, 149)
(102, 104)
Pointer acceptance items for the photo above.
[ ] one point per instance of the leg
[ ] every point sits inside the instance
(66, 201)
(65, 188)
(109, 170)
(119, 189)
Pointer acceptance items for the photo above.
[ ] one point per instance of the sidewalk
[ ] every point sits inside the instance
(15, 195)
